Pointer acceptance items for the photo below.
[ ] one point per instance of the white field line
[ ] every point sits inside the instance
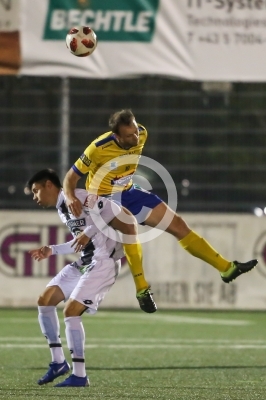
(116, 318)
(163, 341)
(146, 343)
(195, 320)
(147, 346)
(173, 319)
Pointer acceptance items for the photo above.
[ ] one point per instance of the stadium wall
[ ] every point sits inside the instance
(178, 280)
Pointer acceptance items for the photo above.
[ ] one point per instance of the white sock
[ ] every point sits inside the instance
(75, 336)
(49, 323)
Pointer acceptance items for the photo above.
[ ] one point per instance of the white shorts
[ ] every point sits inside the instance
(67, 279)
(89, 288)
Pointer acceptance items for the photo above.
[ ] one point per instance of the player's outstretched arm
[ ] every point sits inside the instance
(46, 251)
(69, 185)
(41, 253)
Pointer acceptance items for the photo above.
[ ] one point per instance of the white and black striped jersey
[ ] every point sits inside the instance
(97, 212)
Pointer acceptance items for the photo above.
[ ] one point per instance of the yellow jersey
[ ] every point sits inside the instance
(110, 168)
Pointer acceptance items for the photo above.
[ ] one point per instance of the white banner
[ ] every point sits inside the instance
(215, 40)
(133, 39)
(178, 280)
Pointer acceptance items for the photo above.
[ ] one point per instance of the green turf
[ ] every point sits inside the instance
(132, 355)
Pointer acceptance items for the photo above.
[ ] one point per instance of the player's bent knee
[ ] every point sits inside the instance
(43, 300)
(131, 226)
(51, 296)
(130, 229)
(73, 309)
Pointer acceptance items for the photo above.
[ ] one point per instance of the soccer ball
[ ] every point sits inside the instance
(81, 41)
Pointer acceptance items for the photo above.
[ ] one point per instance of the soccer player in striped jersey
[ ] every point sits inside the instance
(83, 283)
(110, 162)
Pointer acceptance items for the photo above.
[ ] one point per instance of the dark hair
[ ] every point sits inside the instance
(123, 117)
(43, 176)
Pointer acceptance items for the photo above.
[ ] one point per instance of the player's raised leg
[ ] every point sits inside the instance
(195, 244)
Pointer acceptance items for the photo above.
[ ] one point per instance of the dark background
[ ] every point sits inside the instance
(211, 139)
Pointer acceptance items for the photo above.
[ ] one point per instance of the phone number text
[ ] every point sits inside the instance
(226, 38)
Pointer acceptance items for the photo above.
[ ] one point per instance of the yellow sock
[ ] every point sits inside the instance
(134, 258)
(199, 247)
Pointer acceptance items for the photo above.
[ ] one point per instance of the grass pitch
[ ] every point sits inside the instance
(132, 355)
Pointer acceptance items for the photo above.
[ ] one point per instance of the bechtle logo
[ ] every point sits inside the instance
(112, 20)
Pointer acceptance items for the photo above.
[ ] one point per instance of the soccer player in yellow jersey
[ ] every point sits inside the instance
(110, 162)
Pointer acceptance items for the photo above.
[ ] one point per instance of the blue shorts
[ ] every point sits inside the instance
(137, 200)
